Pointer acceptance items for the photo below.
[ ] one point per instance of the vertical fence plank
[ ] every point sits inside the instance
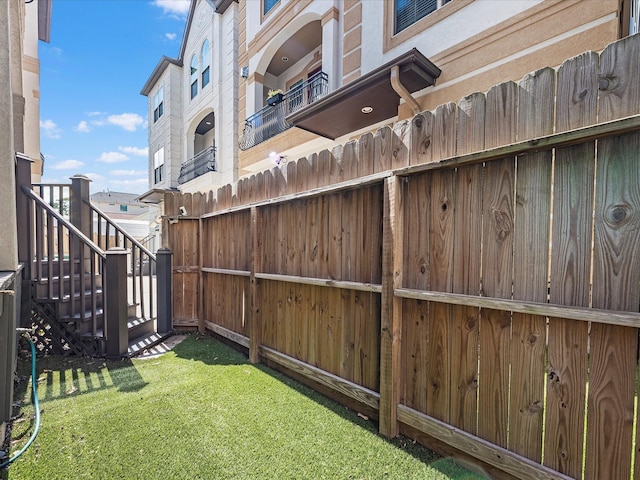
(382, 149)
(619, 94)
(401, 142)
(497, 264)
(466, 265)
(615, 268)
(440, 279)
(365, 155)
(576, 102)
(350, 160)
(616, 272)
(443, 141)
(530, 271)
(421, 137)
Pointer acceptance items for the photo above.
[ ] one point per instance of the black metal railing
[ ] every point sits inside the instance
(203, 162)
(271, 120)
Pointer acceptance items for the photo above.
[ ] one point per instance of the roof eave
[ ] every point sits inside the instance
(157, 73)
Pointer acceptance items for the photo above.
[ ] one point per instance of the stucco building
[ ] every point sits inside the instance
(211, 118)
(22, 25)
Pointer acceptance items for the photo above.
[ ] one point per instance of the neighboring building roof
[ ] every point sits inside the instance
(116, 197)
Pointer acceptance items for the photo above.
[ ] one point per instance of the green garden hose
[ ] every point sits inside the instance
(36, 404)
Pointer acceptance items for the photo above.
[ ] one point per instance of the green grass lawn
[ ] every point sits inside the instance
(200, 411)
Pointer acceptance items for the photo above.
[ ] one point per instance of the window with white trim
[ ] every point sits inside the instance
(267, 5)
(194, 76)
(158, 104)
(408, 12)
(634, 26)
(158, 165)
(206, 61)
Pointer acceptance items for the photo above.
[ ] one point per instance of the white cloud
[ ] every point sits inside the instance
(135, 181)
(95, 177)
(67, 165)
(170, 36)
(112, 157)
(55, 50)
(50, 128)
(95, 114)
(175, 7)
(83, 127)
(128, 121)
(128, 173)
(138, 152)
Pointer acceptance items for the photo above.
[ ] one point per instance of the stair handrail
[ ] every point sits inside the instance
(72, 228)
(136, 246)
(83, 241)
(121, 231)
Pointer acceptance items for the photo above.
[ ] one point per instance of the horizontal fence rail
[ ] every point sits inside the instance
(469, 276)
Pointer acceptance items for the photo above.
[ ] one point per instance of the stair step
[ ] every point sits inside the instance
(139, 327)
(67, 296)
(82, 317)
(42, 284)
(140, 344)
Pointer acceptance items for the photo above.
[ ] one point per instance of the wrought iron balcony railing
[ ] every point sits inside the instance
(203, 162)
(270, 120)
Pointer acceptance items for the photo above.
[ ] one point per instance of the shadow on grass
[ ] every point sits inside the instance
(210, 350)
(60, 377)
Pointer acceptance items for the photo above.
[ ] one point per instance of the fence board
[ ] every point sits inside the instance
(421, 137)
(497, 261)
(570, 267)
(415, 350)
(530, 270)
(365, 155)
(466, 266)
(615, 272)
(382, 150)
(416, 265)
(440, 279)
(619, 89)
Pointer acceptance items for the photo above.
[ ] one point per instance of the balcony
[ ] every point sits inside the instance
(271, 120)
(203, 162)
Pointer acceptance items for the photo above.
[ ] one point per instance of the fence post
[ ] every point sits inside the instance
(116, 302)
(80, 216)
(79, 209)
(25, 235)
(163, 275)
(7, 344)
(391, 307)
(255, 329)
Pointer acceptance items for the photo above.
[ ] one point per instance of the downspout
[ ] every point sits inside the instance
(402, 91)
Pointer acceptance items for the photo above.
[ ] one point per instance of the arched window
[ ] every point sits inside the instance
(206, 60)
(194, 76)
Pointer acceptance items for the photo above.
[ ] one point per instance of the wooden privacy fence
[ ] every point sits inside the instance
(471, 275)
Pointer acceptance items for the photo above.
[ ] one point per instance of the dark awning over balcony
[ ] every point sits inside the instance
(340, 112)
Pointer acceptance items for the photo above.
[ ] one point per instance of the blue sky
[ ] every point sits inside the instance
(93, 119)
